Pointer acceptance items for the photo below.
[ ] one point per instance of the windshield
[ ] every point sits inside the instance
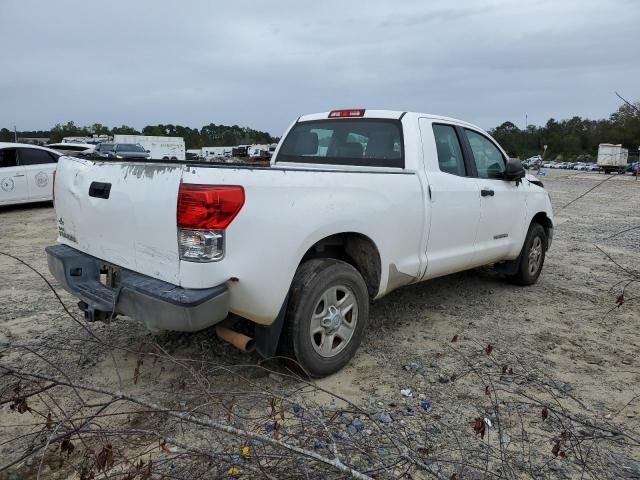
(129, 147)
(361, 142)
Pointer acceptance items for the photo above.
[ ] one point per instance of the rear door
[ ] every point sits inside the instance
(502, 203)
(454, 200)
(39, 166)
(13, 181)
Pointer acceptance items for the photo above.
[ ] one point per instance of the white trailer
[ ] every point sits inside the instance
(210, 153)
(261, 151)
(612, 158)
(160, 148)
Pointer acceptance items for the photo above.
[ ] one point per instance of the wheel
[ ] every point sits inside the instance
(327, 314)
(531, 257)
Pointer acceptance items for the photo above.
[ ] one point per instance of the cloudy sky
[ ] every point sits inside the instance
(262, 64)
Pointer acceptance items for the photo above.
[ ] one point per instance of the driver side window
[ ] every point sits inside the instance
(487, 157)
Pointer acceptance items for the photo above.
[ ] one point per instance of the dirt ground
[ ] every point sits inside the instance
(549, 375)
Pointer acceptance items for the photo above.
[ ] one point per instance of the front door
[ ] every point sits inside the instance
(502, 203)
(454, 201)
(13, 181)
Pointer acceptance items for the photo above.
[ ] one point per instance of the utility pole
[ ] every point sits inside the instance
(15, 134)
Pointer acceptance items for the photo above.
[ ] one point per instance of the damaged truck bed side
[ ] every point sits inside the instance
(354, 205)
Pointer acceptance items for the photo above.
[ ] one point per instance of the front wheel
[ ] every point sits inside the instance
(531, 257)
(327, 314)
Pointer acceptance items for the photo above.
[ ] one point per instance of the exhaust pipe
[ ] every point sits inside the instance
(239, 340)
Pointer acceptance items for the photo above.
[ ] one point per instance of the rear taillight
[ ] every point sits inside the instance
(350, 113)
(204, 211)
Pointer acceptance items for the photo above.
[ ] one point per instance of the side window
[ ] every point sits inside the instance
(32, 156)
(450, 159)
(488, 158)
(8, 157)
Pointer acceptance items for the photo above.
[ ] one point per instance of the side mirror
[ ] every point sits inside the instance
(514, 170)
(148, 151)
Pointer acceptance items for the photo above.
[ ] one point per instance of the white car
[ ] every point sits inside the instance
(26, 173)
(73, 149)
(354, 204)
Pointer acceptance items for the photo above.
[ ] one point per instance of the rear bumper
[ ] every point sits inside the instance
(159, 305)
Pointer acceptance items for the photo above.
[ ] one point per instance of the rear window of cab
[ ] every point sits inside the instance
(367, 142)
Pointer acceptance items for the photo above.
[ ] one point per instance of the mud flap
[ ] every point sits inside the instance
(510, 267)
(266, 337)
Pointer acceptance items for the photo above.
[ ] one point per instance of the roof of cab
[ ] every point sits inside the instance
(395, 115)
(392, 114)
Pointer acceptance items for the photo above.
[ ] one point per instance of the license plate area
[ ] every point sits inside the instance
(109, 276)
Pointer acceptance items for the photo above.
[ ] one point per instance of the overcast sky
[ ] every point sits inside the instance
(262, 64)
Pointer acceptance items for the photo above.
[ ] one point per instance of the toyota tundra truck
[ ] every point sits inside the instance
(354, 204)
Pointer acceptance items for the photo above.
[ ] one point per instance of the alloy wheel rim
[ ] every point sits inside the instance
(535, 255)
(333, 321)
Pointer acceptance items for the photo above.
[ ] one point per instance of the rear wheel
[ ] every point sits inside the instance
(326, 317)
(531, 257)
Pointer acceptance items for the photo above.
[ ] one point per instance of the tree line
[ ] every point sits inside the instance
(211, 135)
(574, 139)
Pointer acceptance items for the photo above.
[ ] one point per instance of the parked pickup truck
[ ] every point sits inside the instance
(354, 204)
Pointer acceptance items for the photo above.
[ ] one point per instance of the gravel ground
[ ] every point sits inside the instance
(551, 371)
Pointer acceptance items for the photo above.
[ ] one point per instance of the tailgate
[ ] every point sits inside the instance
(121, 212)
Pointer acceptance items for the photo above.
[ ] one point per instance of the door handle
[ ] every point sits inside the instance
(16, 176)
(487, 192)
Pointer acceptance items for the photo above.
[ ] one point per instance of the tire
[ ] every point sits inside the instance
(531, 257)
(319, 334)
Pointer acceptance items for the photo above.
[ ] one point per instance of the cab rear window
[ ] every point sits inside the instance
(361, 142)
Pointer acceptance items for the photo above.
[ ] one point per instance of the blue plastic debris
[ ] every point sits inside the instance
(426, 406)
(269, 428)
(359, 426)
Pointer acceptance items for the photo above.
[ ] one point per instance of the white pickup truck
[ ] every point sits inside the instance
(354, 204)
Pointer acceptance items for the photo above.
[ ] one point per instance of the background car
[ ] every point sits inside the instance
(104, 149)
(122, 150)
(26, 173)
(73, 149)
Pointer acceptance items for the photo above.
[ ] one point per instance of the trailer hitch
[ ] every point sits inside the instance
(93, 315)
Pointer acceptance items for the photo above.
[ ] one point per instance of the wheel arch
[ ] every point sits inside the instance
(357, 249)
(543, 219)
